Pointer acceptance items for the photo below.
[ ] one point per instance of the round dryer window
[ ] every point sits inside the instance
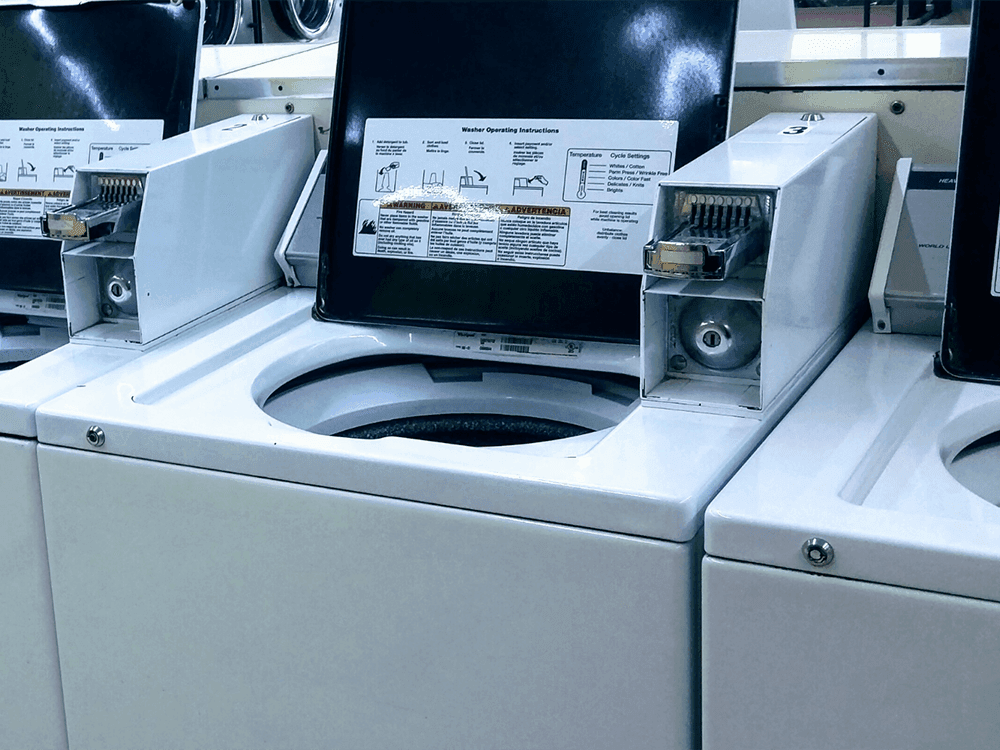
(304, 19)
(222, 21)
(463, 402)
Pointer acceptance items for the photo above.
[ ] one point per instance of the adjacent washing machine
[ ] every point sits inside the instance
(33, 714)
(850, 590)
(444, 519)
(73, 91)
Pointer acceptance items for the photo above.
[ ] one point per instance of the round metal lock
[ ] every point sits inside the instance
(897, 107)
(721, 334)
(95, 436)
(119, 290)
(817, 552)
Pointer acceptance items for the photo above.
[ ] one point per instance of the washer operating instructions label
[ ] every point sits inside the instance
(39, 159)
(575, 194)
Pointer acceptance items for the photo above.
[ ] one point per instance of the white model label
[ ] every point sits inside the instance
(39, 159)
(500, 344)
(574, 194)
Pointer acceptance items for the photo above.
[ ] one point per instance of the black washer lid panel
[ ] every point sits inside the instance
(969, 348)
(565, 59)
(98, 61)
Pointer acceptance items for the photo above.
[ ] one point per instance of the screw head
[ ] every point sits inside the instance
(817, 552)
(289, 108)
(897, 107)
(95, 436)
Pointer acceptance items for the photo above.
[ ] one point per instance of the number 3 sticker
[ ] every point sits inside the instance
(795, 130)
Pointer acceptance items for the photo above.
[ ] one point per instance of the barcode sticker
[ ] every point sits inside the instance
(492, 343)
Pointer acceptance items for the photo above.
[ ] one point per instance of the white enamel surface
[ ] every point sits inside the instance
(231, 59)
(200, 609)
(793, 661)
(651, 475)
(216, 202)
(314, 61)
(31, 708)
(26, 387)
(749, 159)
(852, 57)
(861, 462)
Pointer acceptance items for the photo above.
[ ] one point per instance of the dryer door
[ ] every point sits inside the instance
(304, 20)
(223, 19)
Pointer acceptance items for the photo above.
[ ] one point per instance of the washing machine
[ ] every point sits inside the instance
(850, 585)
(432, 506)
(32, 694)
(271, 21)
(300, 20)
(60, 110)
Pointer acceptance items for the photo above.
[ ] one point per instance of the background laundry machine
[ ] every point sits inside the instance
(104, 70)
(271, 21)
(300, 20)
(275, 580)
(850, 585)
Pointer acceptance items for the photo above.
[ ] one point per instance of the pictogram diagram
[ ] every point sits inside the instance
(468, 182)
(385, 178)
(26, 172)
(432, 180)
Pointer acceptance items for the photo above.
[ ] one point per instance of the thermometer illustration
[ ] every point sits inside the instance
(581, 192)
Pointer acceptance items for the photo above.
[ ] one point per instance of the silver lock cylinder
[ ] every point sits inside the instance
(721, 334)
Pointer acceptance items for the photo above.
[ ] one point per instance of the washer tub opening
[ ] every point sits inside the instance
(455, 401)
(977, 467)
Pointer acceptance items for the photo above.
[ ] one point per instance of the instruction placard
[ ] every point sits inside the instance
(574, 194)
(39, 159)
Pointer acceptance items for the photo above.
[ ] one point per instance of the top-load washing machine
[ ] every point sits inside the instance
(851, 594)
(456, 504)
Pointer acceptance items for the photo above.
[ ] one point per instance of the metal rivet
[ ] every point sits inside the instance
(257, 118)
(95, 436)
(812, 117)
(817, 552)
(897, 107)
(289, 108)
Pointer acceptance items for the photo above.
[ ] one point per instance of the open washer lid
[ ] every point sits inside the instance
(972, 302)
(525, 76)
